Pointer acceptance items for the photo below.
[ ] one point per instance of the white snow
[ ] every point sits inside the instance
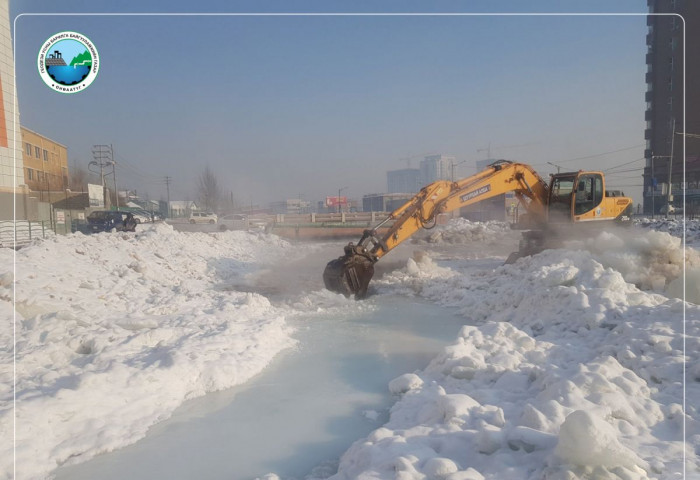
(571, 372)
(570, 364)
(114, 331)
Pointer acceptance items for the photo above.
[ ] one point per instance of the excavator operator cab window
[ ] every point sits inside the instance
(560, 198)
(589, 193)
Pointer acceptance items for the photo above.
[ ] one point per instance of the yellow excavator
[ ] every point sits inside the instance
(572, 200)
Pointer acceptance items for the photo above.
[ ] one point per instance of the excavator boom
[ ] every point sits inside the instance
(570, 198)
(351, 273)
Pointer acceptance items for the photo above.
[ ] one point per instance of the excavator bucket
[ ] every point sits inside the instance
(349, 274)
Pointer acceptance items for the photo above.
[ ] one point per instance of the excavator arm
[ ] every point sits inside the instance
(351, 273)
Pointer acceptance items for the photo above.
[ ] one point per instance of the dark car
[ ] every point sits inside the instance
(106, 220)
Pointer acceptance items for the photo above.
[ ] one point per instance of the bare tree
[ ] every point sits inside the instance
(208, 190)
(78, 179)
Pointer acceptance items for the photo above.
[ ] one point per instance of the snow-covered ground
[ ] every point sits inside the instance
(570, 363)
(114, 331)
(571, 372)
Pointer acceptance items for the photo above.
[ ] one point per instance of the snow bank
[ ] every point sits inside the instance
(674, 226)
(570, 372)
(460, 231)
(116, 330)
(649, 259)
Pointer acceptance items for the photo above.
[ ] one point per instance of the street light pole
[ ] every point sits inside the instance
(669, 198)
(453, 165)
(653, 180)
(114, 172)
(340, 190)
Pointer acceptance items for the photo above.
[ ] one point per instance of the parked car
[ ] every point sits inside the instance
(143, 216)
(203, 217)
(234, 222)
(108, 220)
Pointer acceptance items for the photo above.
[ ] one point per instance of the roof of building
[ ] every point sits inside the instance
(22, 127)
(75, 202)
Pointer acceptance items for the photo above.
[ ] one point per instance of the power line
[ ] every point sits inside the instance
(135, 169)
(620, 178)
(625, 171)
(596, 155)
(623, 164)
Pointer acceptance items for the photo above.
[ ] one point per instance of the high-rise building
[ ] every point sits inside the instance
(672, 91)
(11, 166)
(406, 180)
(436, 167)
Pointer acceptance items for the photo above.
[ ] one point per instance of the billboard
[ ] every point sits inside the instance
(96, 195)
(335, 201)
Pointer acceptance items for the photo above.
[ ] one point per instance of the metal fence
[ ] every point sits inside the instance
(17, 233)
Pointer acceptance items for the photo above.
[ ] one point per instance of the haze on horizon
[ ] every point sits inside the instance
(299, 106)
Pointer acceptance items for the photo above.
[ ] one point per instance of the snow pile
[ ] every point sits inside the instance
(461, 231)
(116, 330)
(674, 226)
(649, 259)
(570, 372)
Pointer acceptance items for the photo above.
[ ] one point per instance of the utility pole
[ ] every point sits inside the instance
(100, 160)
(167, 187)
(558, 167)
(114, 172)
(104, 156)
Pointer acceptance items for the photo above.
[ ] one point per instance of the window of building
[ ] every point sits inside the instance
(30, 174)
(29, 148)
(46, 155)
(37, 152)
(39, 175)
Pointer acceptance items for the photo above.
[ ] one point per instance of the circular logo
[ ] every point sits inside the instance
(68, 62)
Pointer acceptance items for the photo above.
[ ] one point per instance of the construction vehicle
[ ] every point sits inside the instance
(571, 202)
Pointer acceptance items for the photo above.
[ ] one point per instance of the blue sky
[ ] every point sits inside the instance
(282, 106)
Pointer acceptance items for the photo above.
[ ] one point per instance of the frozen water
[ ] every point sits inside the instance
(307, 407)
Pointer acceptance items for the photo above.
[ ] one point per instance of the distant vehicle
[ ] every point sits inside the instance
(108, 220)
(142, 216)
(235, 221)
(203, 217)
(259, 223)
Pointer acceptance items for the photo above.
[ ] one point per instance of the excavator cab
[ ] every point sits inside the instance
(581, 196)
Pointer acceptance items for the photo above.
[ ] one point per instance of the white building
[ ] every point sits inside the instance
(436, 167)
(182, 208)
(11, 164)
